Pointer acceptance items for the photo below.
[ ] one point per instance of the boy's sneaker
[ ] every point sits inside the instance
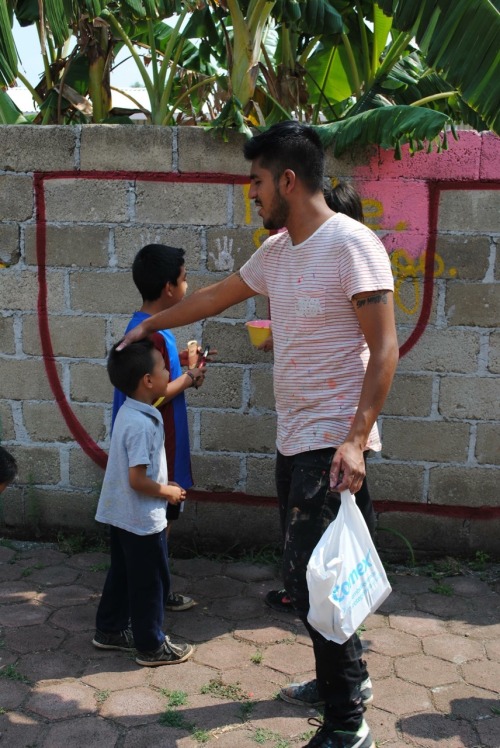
(306, 694)
(279, 600)
(167, 654)
(178, 602)
(123, 640)
(328, 737)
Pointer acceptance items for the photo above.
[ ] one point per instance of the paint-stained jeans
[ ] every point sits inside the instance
(307, 506)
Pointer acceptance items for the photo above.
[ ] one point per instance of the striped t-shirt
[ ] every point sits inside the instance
(320, 352)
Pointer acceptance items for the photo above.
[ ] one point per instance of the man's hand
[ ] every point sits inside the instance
(174, 493)
(137, 333)
(348, 468)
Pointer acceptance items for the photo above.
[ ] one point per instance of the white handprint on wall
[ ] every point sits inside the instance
(224, 259)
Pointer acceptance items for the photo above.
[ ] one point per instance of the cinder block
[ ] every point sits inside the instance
(20, 290)
(232, 343)
(408, 300)
(68, 246)
(470, 397)
(490, 155)
(462, 257)
(7, 430)
(443, 350)
(483, 536)
(130, 239)
(433, 441)
(86, 200)
(201, 150)
(44, 422)
(12, 509)
(7, 339)
(473, 304)
(261, 389)
(16, 197)
(238, 432)
(260, 477)
(77, 337)
(470, 211)
(9, 244)
(463, 486)
(229, 249)
(125, 148)
(494, 354)
(262, 310)
(181, 203)
(105, 293)
(359, 163)
(216, 472)
(83, 472)
(222, 388)
(90, 383)
(208, 526)
(410, 395)
(63, 510)
(25, 379)
(37, 465)
(395, 481)
(488, 443)
(35, 148)
(245, 213)
(428, 535)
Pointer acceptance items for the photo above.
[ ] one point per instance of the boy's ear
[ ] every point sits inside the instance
(168, 288)
(147, 381)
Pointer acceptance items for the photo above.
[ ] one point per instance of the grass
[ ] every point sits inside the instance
(175, 698)
(171, 718)
(246, 709)
(257, 657)
(101, 696)
(220, 690)
(11, 672)
(263, 736)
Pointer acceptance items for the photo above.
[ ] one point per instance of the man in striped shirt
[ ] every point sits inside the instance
(330, 287)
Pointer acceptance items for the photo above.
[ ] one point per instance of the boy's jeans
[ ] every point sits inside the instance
(307, 507)
(136, 587)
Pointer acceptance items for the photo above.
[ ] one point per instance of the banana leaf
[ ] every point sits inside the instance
(9, 113)
(460, 40)
(388, 126)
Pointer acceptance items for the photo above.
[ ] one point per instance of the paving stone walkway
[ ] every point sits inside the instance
(434, 659)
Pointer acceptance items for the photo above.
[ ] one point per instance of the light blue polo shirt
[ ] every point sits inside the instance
(137, 439)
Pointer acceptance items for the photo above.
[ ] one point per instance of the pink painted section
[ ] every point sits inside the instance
(461, 161)
(490, 156)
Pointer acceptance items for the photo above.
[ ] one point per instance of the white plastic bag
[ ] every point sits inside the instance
(345, 576)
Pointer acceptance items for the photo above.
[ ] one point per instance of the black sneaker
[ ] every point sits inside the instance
(306, 693)
(279, 600)
(167, 654)
(123, 640)
(178, 602)
(327, 737)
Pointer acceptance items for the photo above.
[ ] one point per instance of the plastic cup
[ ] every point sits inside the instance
(258, 330)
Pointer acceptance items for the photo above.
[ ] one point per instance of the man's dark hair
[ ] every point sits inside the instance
(154, 266)
(344, 198)
(127, 367)
(289, 145)
(8, 466)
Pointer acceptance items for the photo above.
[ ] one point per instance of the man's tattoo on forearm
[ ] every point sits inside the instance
(380, 298)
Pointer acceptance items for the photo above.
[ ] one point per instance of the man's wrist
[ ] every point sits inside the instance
(192, 378)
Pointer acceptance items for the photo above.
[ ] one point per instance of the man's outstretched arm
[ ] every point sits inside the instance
(206, 302)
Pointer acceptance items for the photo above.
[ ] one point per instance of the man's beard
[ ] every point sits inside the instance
(278, 214)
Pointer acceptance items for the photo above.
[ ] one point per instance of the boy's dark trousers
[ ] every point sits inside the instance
(136, 587)
(307, 506)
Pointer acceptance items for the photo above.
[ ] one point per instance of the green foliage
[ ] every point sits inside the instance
(220, 690)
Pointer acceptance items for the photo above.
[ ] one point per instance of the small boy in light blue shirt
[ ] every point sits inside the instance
(133, 501)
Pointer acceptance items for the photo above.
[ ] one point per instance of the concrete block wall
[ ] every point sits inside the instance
(77, 203)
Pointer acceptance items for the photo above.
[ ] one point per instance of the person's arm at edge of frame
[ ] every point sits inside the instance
(375, 313)
(206, 302)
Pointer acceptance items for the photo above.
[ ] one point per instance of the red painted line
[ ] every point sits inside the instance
(147, 176)
(381, 507)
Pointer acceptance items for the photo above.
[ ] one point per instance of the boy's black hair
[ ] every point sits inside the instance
(154, 266)
(344, 198)
(8, 466)
(127, 367)
(289, 145)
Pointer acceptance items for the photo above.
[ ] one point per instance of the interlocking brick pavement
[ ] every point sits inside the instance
(432, 649)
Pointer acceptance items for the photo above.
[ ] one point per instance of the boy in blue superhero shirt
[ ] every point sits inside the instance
(159, 274)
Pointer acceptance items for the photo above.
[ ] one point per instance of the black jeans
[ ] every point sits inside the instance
(136, 587)
(307, 506)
